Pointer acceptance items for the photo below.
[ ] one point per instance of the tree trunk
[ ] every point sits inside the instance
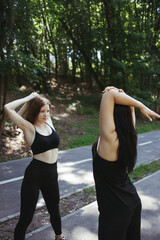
(112, 29)
(81, 72)
(86, 58)
(3, 98)
(73, 71)
(158, 98)
(55, 55)
(5, 52)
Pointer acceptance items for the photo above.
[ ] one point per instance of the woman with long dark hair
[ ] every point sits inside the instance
(41, 174)
(114, 156)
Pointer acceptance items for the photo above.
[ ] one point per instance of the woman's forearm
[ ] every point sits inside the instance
(23, 109)
(17, 103)
(124, 99)
(119, 97)
(10, 109)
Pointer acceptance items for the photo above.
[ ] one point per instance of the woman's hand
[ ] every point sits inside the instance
(110, 88)
(148, 113)
(32, 95)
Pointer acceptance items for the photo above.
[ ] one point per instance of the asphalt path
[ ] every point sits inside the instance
(74, 168)
(83, 223)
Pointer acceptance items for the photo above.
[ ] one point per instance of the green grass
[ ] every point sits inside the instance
(144, 170)
(90, 131)
(89, 191)
(90, 128)
(147, 126)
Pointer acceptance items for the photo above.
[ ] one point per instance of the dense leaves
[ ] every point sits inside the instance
(110, 42)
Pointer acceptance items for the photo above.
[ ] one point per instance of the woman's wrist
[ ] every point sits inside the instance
(109, 88)
(31, 96)
(140, 105)
(28, 98)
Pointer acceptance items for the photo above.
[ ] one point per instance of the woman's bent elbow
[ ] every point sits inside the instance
(5, 108)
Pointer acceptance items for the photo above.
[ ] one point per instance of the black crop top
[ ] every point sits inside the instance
(43, 143)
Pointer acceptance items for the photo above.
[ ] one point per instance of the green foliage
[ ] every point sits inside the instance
(97, 42)
(90, 132)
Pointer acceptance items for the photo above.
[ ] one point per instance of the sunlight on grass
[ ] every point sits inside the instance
(90, 131)
(144, 170)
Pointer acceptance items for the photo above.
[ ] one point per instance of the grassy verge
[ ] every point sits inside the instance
(144, 170)
(148, 126)
(90, 131)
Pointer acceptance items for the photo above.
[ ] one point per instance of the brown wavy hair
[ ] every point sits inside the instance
(34, 108)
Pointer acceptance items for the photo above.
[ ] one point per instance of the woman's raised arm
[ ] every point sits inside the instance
(10, 109)
(113, 96)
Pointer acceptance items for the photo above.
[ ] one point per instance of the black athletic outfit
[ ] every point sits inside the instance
(40, 176)
(118, 202)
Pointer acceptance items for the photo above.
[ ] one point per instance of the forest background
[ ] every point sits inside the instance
(70, 50)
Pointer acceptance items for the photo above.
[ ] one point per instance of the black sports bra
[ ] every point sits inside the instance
(43, 143)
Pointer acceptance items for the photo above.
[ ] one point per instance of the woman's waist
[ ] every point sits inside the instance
(41, 165)
(49, 157)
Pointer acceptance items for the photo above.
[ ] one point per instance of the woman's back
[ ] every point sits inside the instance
(118, 138)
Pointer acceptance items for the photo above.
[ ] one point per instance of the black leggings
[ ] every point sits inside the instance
(39, 176)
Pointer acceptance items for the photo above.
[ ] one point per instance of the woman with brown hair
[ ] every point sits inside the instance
(41, 174)
(114, 156)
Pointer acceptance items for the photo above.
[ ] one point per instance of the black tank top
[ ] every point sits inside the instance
(43, 143)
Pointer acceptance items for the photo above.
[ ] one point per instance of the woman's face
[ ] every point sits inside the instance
(43, 114)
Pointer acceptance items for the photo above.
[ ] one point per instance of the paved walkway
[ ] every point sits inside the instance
(83, 224)
(75, 172)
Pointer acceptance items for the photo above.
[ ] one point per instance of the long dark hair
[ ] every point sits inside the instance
(34, 108)
(127, 150)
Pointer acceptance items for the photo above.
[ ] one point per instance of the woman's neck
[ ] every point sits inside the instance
(40, 124)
